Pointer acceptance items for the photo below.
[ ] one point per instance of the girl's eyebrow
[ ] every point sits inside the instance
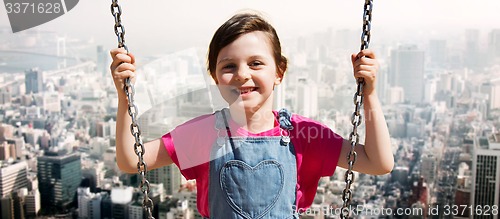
(224, 60)
(257, 57)
(227, 59)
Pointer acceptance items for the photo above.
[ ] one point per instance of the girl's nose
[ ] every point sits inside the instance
(242, 74)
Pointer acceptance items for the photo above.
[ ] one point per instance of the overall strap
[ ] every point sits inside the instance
(228, 131)
(285, 121)
(222, 123)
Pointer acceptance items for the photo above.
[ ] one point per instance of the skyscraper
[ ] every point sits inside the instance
(102, 61)
(307, 98)
(33, 80)
(438, 53)
(407, 71)
(486, 175)
(472, 52)
(59, 176)
(494, 43)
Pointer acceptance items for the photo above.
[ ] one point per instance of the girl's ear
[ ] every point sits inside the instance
(279, 78)
(280, 73)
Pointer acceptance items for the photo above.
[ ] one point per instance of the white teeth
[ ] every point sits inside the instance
(246, 90)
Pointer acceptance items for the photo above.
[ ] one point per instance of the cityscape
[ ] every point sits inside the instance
(441, 98)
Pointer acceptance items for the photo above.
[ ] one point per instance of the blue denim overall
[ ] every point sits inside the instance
(252, 177)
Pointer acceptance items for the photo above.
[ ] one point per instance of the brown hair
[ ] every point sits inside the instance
(238, 25)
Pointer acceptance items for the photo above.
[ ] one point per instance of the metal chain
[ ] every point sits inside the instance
(356, 118)
(128, 87)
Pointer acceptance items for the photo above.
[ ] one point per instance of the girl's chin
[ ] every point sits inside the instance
(243, 105)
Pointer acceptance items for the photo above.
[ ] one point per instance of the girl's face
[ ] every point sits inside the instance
(246, 72)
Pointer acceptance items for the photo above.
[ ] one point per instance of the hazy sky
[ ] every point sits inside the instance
(157, 24)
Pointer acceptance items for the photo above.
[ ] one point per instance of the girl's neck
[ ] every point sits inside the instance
(253, 120)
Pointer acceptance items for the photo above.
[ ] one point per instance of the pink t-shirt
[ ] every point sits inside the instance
(317, 150)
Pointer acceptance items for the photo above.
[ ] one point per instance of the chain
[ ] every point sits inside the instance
(356, 118)
(142, 168)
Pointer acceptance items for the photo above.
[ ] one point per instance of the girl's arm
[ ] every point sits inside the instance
(375, 156)
(156, 155)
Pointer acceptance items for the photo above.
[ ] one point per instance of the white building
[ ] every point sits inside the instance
(486, 173)
(33, 202)
(307, 98)
(13, 177)
(428, 167)
(89, 204)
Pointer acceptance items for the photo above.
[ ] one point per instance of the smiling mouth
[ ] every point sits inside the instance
(245, 90)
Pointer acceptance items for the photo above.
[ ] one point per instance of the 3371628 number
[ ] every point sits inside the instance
(472, 210)
(33, 8)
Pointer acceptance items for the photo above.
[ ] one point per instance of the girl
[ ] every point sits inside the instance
(248, 160)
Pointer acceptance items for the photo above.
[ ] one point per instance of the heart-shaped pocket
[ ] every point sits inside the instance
(25, 14)
(252, 191)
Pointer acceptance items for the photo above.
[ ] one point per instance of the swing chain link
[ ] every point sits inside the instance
(133, 111)
(356, 118)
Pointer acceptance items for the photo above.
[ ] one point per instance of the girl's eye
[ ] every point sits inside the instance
(229, 66)
(255, 63)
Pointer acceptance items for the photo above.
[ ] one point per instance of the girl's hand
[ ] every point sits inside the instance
(365, 66)
(123, 66)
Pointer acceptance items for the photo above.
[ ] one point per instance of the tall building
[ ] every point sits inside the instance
(407, 71)
(17, 147)
(120, 199)
(5, 151)
(94, 171)
(59, 176)
(33, 80)
(135, 209)
(279, 96)
(494, 42)
(438, 53)
(428, 167)
(13, 177)
(169, 176)
(494, 94)
(102, 61)
(89, 204)
(307, 98)
(486, 174)
(492, 90)
(430, 90)
(472, 52)
(33, 203)
(5, 96)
